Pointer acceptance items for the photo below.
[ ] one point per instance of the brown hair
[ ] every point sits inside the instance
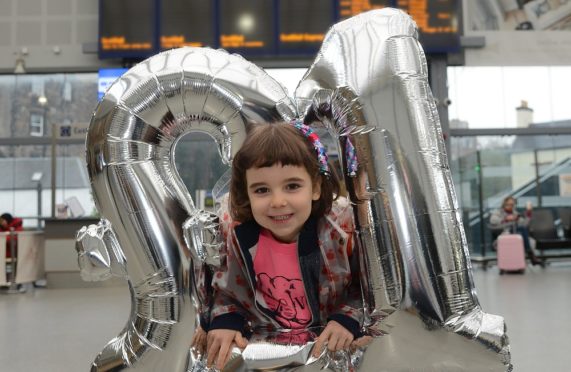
(270, 144)
(506, 199)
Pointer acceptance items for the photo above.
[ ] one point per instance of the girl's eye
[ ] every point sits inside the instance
(293, 186)
(261, 190)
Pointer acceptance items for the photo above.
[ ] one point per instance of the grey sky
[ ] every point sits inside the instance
(486, 97)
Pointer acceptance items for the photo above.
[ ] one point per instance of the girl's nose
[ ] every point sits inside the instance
(278, 200)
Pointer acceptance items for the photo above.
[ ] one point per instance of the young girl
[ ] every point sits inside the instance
(288, 260)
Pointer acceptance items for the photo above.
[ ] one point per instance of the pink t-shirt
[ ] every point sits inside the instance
(279, 283)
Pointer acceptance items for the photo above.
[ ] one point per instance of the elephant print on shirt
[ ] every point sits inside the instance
(286, 299)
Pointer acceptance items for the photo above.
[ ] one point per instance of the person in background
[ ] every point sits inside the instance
(7, 224)
(508, 219)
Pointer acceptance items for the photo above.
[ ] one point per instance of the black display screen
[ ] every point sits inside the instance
(247, 26)
(349, 8)
(269, 28)
(127, 28)
(187, 23)
(303, 24)
(437, 22)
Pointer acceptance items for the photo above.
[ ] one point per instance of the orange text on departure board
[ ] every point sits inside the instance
(301, 38)
(177, 41)
(238, 41)
(418, 10)
(119, 43)
(349, 8)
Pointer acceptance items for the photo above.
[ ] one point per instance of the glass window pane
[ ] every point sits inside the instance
(26, 177)
(508, 165)
(487, 97)
(36, 125)
(560, 79)
(470, 94)
(28, 100)
(35, 106)
(199, 166)
(73, 189)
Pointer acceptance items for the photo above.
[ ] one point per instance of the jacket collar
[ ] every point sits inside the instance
(248, 234)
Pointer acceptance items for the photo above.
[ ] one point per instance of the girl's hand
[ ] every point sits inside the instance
(220, 342)
(511, 217)
(336, 336)
(361, 342)
(199, 340)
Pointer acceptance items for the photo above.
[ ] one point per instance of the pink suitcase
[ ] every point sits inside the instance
(511, 254)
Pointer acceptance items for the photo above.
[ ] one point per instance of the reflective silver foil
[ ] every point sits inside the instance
(369, 85)
(130, 150)
(99, 253)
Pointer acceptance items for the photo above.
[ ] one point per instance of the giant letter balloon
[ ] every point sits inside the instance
(368, 87)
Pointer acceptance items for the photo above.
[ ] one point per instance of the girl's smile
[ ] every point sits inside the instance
(281, 198)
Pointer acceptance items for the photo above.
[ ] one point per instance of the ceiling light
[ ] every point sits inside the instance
(20, 67)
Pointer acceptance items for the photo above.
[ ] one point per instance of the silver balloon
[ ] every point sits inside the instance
(136, 187)
(99, 254)
(369, 86)
(202, 233)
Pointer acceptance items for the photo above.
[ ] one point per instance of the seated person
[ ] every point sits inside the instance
(508, 219)
(7, 223)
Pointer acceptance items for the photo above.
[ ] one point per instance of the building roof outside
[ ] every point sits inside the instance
(17, 173)
(530, 143)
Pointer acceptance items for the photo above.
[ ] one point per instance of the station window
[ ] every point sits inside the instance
(36, 125)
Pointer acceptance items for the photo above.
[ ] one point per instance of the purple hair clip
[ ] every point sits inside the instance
(351, 156)
(314, 139)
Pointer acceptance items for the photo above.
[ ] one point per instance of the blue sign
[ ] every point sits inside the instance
(107, 77)
(65, 131)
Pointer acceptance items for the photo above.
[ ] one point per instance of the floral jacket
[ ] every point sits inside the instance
(329, 272)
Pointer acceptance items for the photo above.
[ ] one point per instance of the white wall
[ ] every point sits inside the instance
(50, 35)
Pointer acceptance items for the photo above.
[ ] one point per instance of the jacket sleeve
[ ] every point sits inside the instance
(349, 313)
(524, 219)
(232, 294)
(497, 220)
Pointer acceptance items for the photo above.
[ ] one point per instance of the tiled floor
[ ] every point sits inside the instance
(55, 330)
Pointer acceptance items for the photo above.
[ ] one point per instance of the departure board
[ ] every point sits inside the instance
(247, 25)
(187, 23)
(269, 28)
(349, 8)
(303, 24)
(127, 28)
(437, 22)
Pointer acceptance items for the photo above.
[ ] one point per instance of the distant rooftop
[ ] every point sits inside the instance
(17, 173)
(529, 143)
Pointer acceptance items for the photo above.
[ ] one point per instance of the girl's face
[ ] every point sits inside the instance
(280, 198)
(509, 205)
